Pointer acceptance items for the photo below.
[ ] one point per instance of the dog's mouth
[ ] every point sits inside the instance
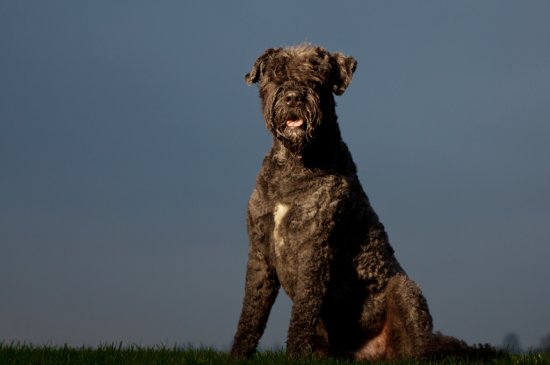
(293, 120)
(293, 123)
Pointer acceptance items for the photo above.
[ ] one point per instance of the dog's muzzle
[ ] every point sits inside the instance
(293, 100)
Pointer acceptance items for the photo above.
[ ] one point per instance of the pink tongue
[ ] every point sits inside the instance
(294, 123)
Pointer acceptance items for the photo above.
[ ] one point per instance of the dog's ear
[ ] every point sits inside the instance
(343, 68)
(259, 66)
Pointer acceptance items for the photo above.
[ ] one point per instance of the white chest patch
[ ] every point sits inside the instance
(278, 215)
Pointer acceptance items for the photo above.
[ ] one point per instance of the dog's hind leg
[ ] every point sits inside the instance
(407, 328)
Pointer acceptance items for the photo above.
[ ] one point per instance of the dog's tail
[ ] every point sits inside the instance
(442, 346)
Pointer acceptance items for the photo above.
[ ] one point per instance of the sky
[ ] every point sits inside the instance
(129, 145)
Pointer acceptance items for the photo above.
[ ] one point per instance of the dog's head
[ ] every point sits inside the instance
(296, 87)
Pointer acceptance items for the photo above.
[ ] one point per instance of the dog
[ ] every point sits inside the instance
(313, 232)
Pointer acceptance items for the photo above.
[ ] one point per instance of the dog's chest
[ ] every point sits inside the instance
(298, 223)
(279, 213)
(299, 214)
(288, 238)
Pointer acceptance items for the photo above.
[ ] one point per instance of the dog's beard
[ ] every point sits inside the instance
(295, 138)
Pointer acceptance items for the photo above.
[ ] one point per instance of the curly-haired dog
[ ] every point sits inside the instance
(313, 231)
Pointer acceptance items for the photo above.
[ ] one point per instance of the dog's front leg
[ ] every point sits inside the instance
(308, 299)
(261, 288)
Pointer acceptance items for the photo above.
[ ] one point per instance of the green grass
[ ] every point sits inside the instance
(22, 354)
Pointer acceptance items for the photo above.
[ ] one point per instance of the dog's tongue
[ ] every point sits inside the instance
(294, 123)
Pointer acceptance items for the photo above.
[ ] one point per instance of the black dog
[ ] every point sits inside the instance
(313, 232)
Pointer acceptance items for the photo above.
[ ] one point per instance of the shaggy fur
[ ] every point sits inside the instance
(313, 231)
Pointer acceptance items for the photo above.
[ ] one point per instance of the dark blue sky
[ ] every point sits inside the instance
(129, 144)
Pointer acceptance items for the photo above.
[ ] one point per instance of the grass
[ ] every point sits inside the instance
(23, 354)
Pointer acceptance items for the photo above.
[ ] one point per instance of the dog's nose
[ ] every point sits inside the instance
(291, 98)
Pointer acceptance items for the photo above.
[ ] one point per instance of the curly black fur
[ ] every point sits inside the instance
(313, 231)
